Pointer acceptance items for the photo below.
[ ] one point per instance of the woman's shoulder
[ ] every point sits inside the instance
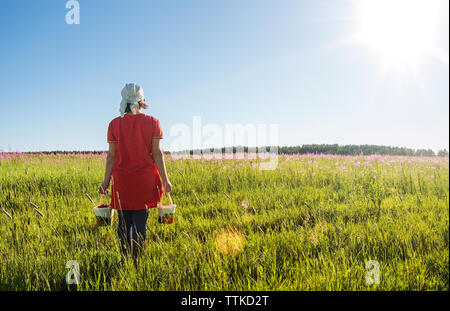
(151, 118)
(115, 120)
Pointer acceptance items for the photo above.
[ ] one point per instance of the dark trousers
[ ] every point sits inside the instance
(132, 227)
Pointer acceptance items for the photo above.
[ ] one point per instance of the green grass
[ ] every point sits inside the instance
(311, 224)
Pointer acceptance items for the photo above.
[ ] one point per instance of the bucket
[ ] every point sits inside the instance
(166, 213)
(104, 213)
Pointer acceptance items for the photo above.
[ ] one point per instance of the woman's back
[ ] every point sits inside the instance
(133, 135)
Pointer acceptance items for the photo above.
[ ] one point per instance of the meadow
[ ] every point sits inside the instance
(310, 224)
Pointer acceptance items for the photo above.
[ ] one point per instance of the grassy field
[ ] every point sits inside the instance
(310, 224)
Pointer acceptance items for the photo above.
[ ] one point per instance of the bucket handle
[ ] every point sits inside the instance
(101, 197)
(162, 197)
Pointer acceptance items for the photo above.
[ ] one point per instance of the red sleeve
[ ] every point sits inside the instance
(111, 135)
(157, 130)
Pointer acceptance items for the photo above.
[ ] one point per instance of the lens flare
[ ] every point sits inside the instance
(230, 242)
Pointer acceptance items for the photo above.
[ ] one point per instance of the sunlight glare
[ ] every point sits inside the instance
(400, 31)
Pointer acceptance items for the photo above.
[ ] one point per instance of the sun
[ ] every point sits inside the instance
(399, 31)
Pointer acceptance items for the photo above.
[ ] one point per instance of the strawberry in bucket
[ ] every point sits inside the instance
(166, 213)
(103, 212)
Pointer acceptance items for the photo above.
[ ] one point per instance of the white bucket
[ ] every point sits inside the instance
(104, 215)
(166, 213)
(103, 212)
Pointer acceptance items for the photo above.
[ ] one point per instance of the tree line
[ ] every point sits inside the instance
(304, 149)
(329, 149)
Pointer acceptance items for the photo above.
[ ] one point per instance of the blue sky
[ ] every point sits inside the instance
(234, 61)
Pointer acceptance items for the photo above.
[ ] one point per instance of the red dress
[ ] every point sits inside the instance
(136, 183)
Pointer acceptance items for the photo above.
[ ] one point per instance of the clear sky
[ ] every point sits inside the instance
(295, 63)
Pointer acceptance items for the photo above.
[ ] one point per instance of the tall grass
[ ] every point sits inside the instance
(310, 224)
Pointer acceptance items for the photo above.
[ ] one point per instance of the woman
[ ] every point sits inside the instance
(136, 164)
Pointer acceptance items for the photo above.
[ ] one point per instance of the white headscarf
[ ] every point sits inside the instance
(131, 93)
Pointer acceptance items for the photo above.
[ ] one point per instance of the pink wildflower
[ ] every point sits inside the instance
(245, 204)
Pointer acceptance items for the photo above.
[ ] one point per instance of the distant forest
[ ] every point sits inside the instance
(304, 149)
(336, 149)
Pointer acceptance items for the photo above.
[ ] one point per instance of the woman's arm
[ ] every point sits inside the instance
(110, 158)
(158, 158)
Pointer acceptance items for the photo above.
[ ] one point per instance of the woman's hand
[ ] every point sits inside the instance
(104, 187)
(167, 186)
